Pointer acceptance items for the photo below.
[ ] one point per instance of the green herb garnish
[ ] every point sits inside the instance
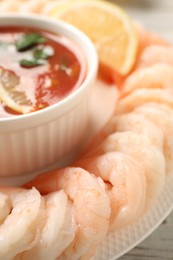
(43, 52)
(28, 40)
(31, 63)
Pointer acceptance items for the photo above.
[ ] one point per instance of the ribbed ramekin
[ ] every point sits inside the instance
(35, 141)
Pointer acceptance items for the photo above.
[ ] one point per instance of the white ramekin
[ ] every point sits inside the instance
(35, 141)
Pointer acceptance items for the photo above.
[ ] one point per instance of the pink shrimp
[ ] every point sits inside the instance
(156, 76)
(132, 122)
(143, 96)
(147, 39)
(5, 207)
(156, 54)
(21, 228)
(140, 148)
(58, 231)
(162, 116)
(91, 203)
(125, 182)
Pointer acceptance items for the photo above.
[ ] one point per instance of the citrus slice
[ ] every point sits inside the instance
(107, 25)
(10, 95)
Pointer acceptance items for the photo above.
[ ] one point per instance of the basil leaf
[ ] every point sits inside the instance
(43, 52)
(28, 40)
(31, 63)
(40, 54)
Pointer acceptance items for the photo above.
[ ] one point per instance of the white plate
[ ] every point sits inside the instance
(116, 244)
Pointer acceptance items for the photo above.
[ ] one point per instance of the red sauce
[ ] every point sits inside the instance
(48, 83)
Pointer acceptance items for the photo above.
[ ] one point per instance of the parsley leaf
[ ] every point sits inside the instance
(31, 63)
(28, 40)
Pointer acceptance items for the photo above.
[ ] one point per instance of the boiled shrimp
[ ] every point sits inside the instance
(5, 207)
(125, 182)
(143, 96)
(91, 203)
(140, 148)
(162, 116)
(20, 230)
(132, 122)
(156, 54)
(156, 76)
(58, 231)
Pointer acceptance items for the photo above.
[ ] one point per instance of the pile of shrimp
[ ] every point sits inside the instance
(66, 213)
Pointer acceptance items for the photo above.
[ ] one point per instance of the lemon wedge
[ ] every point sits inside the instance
(107, 25)
(10, 95)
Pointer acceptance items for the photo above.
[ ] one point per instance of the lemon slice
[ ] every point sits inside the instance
(10, 95)
(107, 25)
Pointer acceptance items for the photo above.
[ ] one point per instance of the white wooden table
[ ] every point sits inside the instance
(157, 16)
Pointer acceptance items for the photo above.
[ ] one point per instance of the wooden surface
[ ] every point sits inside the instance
(157, 16)
(158, 246)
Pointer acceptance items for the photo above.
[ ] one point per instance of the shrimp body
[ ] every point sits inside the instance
(126, 185)
(59, 228)
(155, 54)
(5, 206)
(140, 148)
(20, 230)
(143, 96)
(136, 123)
(156, 76)
(91, 203)
(162, 116)
(141, 125)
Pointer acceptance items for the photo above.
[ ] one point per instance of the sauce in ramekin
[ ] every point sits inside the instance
(37, 69)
